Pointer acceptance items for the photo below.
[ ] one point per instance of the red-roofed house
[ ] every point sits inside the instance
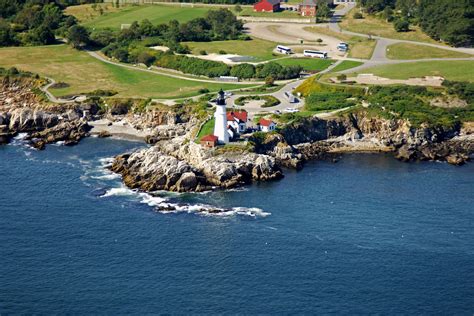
(238, 120)
(209, 141)
(267, 6)
(266, 125)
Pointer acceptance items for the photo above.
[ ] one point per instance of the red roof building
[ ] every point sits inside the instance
(308, 8)
(267, 6)
(209, 141)
(266, 125)
(238, 120)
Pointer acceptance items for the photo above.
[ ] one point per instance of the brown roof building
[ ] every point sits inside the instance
(209, 141)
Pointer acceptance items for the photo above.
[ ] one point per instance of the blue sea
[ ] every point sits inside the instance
(366, 235)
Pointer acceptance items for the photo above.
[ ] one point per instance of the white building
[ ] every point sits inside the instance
(220, 126)
(238, 121)
(266, 125)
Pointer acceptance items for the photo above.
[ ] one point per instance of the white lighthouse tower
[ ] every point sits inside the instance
(220, 126)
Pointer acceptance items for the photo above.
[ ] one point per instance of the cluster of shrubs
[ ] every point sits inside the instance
(446, 20)
(200, 67)
(28, 23)
(412, 103)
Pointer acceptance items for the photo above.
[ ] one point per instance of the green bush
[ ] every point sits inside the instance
(358, 16)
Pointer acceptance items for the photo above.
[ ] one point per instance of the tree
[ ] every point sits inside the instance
(238, 8)
(402, 26)
(243, 71)
(78, 36)
(6, 34)
(145, 58)
(41, 35)
(103, 37)
(323, 12)
(269, 81)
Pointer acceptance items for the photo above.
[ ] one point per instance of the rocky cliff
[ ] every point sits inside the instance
(314, 138)
(23, 111)
(182, 166)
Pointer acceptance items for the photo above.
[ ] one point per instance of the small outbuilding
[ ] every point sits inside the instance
(209, 141)
(267, 6)
(308, 8)
(266, 125)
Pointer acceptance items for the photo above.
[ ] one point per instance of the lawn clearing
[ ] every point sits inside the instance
(283, 14)
(346, 64)
(376, 26)
(450, 70)
(206, 129)
(413, 51)
(88, 12)
(308, 64)
(157, 14)
(359, 47)
(259, 49)
(84, 73)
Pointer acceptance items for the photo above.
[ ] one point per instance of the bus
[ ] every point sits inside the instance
(284, 50)
(315, 53)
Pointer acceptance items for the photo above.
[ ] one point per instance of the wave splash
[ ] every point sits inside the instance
(165, 206)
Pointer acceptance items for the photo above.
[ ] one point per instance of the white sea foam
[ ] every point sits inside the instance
(122, 191)
(111, 176)
(59, 143)
(163, 205)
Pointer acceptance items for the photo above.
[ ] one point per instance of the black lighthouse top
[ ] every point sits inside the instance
(221, 98)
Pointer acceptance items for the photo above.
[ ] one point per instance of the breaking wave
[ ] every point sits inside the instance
(166, 206)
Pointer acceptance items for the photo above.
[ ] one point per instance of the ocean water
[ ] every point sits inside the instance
(366, 235)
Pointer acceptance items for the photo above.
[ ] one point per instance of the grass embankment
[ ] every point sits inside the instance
(259, 49)
(346, 64)
(413, 51)
(359, 47)
(283, 14)
(88, 12)
(157, 14)
(451, 70)
(377, 26)
(84, 73)
(308, 64)
(206, 129)
(406, 102)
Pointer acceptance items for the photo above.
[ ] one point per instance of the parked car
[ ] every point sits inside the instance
(277, 112)
(291, 110)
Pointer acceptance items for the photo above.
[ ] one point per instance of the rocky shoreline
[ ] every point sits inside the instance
(175, 162)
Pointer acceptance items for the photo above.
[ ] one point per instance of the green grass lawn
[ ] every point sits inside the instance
(206, 129)
(84, 74)
(157, 14)
(308, 64)
(87, 12)
(258, 48)
(451, 70)
(346, 64)
(284, 14)
(359, 47)
(377, 26)
(413, 51)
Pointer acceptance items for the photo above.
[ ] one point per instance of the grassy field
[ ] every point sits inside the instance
(206, 129)
(379, 27)
(157, 14)
(360, 47)
(308, 64)
(346, 64)
(413, 51)
(84, 74)
(86, 12)
(258, 48)
(284, 14)
(451, 70)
